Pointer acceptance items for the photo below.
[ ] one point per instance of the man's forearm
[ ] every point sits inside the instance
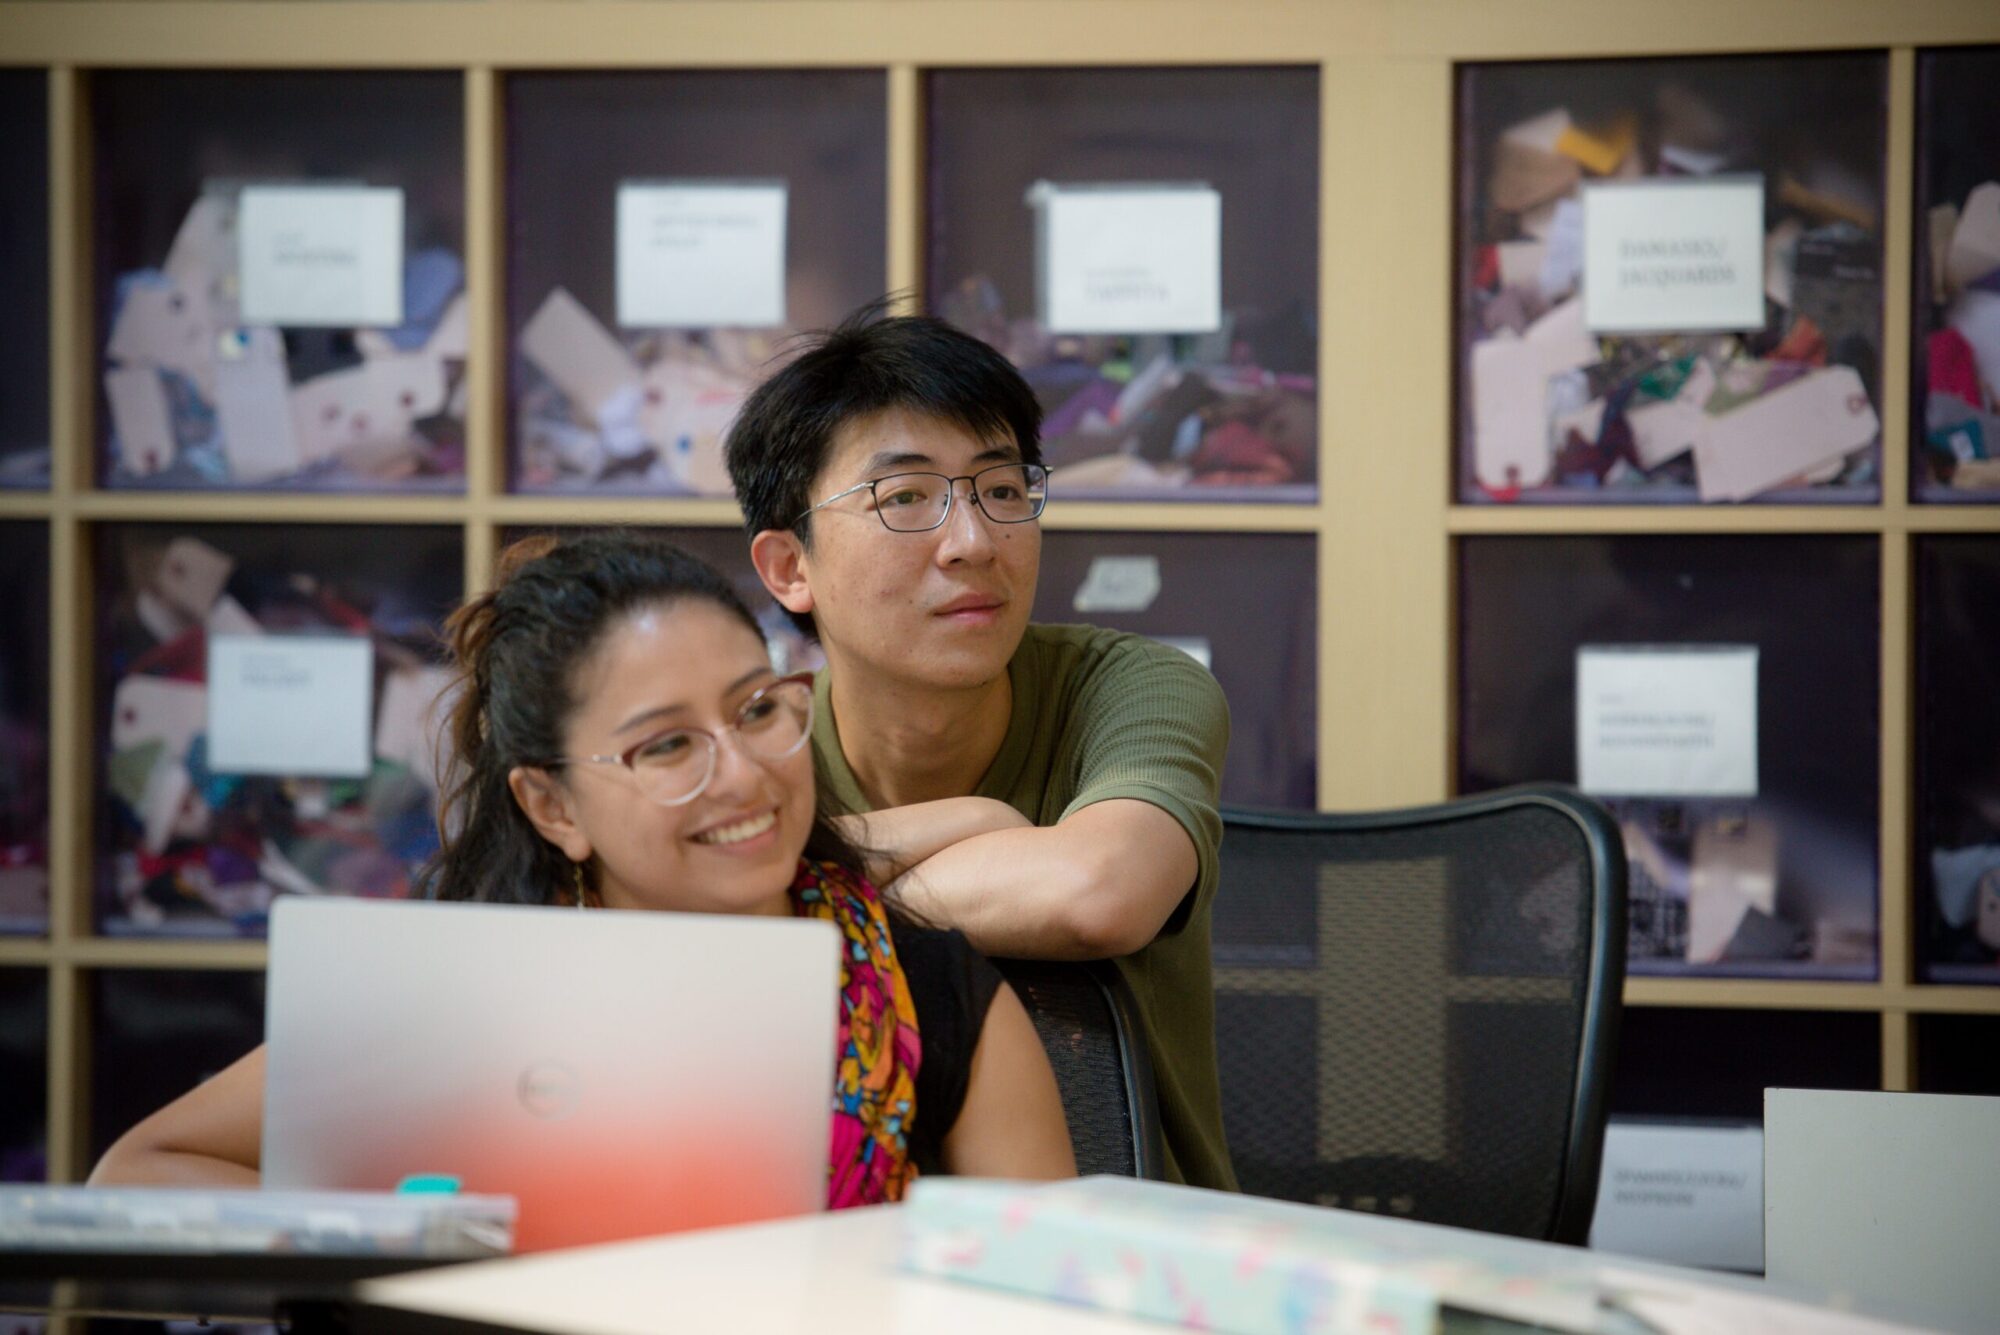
(1098, 885)
(1011, 893)
(895, 839)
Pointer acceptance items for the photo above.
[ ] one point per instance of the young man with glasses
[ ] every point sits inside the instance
(891, 483)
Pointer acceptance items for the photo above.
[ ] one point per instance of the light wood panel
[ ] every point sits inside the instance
(1384, 401)
(487, 412)
(1753, 994)
(260, 507)
(1565, 29)
(1899, 1055)
(904, 265)
(1557, 519)
(687, 33)
(97, 952)
(543, 34)
(72, 370)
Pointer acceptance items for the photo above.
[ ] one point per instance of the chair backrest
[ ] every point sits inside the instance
(1089, 1025)
(1416, 1010)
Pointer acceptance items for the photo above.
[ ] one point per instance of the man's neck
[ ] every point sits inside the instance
(909, 744)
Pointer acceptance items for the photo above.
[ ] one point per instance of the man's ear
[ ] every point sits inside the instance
(780, 562)
(546, 804)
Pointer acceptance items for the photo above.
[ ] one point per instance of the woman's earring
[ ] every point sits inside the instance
(582, 892)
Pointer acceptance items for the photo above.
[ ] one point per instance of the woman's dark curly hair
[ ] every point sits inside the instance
(518, 650)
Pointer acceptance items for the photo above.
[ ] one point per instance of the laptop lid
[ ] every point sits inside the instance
(619, 1074)
(1894, 1197)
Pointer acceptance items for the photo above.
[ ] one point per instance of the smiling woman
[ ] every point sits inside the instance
(651, 808)
(620, 741)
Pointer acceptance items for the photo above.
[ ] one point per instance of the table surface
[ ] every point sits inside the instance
(835, 1274)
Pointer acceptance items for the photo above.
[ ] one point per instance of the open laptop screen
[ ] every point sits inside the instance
(619, 1074)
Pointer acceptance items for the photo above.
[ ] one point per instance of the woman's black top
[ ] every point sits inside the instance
(953, 987)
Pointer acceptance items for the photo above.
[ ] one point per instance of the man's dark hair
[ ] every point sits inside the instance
(870, 363)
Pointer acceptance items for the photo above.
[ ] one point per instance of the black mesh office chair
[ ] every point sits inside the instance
(1089, 1025)
(1416, 1010)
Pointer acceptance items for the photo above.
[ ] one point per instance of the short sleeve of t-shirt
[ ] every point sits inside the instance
(953, 987)
(1147, 722)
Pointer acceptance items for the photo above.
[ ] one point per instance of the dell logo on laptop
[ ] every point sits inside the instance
(549, 1090)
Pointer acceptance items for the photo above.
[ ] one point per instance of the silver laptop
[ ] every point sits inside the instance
(619, 1074)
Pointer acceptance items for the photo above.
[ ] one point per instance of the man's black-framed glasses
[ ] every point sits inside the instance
(919, 502)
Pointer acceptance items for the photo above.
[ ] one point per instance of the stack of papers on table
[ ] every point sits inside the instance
(249, 1221)
(1207, 1260)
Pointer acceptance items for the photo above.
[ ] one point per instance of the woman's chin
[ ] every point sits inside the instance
(740, 887)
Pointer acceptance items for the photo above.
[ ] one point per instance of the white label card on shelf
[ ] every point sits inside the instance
(1666, 256)
(1128, 259)
(1682, 1193)
(293, 705)
(1119, 584)
(701, 254)
(321, 255)
(1666, 721)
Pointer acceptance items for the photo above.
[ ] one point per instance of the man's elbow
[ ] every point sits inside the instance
(1109, 936)
(1106, 918)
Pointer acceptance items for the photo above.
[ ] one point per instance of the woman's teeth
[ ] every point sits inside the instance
(741, 830)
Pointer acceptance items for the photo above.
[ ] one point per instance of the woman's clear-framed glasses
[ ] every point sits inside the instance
(673, 767)
(919, 502)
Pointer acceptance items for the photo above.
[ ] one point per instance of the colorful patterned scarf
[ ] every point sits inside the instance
(878, 1048)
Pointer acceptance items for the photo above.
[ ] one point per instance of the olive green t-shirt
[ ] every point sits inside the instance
(1100, 714)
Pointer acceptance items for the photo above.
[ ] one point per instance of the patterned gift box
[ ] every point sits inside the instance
(1206, 1260)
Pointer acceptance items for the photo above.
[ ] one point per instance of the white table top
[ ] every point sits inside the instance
(834, 1274)
(829, 1274)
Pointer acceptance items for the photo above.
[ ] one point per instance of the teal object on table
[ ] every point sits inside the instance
(428, 1184)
